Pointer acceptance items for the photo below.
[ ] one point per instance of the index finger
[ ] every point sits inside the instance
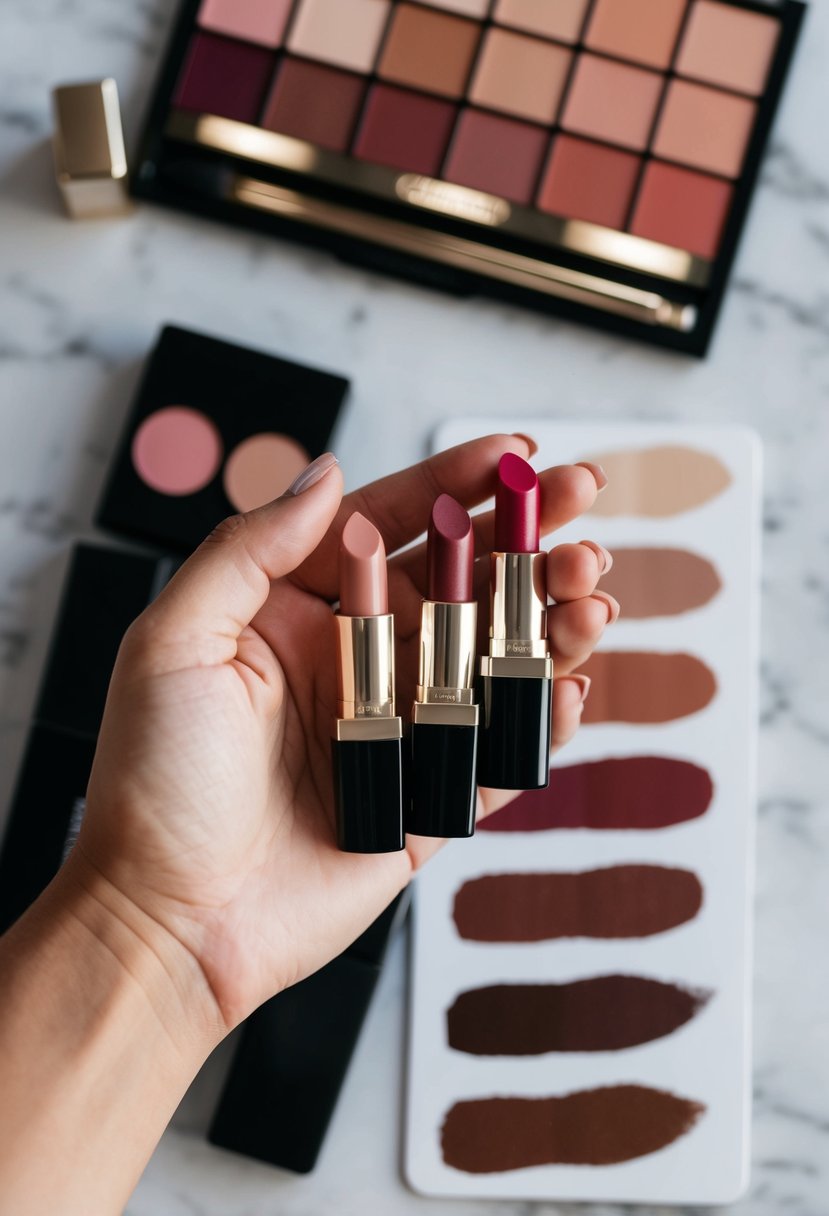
(400, 505)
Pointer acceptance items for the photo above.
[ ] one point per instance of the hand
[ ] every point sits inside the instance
(209, 813)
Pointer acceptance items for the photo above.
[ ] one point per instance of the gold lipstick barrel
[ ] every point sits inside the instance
(365, 678)
(447, 659)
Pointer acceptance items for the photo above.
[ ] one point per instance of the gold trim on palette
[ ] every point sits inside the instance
(444, 198)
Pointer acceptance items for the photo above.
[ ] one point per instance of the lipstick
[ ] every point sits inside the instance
(445, 717)
(366, 747)
(517, 674)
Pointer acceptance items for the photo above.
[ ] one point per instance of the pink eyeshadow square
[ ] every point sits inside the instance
(261, 21)
(497, 155)
(612, 101)
(705, 128)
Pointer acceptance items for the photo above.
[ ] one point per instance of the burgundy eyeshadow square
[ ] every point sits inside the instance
(215, 429)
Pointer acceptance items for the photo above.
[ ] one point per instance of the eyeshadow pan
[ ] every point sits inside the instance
(346, 33)
(682, 208)
(224, 77)
(176, 450)
(429, 50)
(612, 101)
(405, 130)
(587, 181)
(497, 155)
(562, 19)
(520, 75)
(313, 102)
(261, 21)
(704, 128)
(470, 8)
(729, 46)
(261, 468)
(644, 31)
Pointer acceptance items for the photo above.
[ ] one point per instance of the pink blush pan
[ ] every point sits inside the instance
(177, 450)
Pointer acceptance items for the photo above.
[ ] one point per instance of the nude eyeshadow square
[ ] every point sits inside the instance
(682, 208)
(224, 77)
(644, 31)
(729, 46)
(345, 33)
(587, 181)
(314, 102)
(560, 19)
(260, 21)
(497, 155)
(404, 130)
(612, 101)
(469, 8)
(704, 128)
(520, 75)
(429, 50)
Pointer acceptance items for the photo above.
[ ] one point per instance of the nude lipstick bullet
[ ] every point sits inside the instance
(517, 675)
(445, 717)
(366, 748)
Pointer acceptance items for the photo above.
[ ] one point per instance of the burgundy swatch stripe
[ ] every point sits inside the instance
(603, 1013)
(621, 901)
(641, 686)
(601, 1126)
(637, 792)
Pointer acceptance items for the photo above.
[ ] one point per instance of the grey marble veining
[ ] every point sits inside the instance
(79, 307)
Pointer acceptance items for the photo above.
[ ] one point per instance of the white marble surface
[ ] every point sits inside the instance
(79, 307)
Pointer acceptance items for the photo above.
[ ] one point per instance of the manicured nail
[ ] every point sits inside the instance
(610, 603)
(583, 682)
(604, 555)
(309, 476)
(530, 442)
(597, 471)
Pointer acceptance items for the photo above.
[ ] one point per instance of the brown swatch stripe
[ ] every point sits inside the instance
(603, 1013)
(660, 582)
(641, 686)
(637, 792)
(621, 901)
(658, 481)
(589, 1127)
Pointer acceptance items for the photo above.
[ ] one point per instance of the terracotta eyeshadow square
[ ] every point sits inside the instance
(704, 128)
(728, 46)
(644, 31)
(429, 50)
(405, 130)
(497, 155)
(261, 21)
(316, 103)
(520, 75)
(585, 181)
(224, 77)
(612, 101)
(682, 208)
(560, 19)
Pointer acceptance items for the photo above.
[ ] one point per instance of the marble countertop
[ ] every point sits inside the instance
(80, 305)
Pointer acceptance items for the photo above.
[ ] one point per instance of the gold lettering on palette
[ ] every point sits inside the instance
(467, 204)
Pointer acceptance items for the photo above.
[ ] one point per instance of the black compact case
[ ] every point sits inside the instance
(243, 393)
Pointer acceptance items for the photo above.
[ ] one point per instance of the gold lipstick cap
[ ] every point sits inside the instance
(90, 160)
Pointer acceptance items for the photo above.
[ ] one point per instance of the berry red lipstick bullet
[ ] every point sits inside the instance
(517, 674)
(445, 716)
(366, 748)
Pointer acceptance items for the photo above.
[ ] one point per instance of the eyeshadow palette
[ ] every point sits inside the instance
(215, 428)
(590, 157)
(580, 997)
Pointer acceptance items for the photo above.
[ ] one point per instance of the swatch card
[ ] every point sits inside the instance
(580, 988)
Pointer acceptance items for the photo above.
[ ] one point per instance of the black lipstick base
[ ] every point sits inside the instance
(368, 784)
(514, 737)
(443, 786)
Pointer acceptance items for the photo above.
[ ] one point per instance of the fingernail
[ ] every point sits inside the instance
(604, 555)
(583, 682)
(597, 471)
(610, 603)
(530, 442)
(309, 476)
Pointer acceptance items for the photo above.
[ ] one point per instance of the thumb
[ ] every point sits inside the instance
(197, 618)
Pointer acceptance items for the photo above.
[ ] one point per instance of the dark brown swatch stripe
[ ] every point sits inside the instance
(660, 582)
(632, 792)
(643, 686)
(620, 901)
(603, 1013)
(602, 1126)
